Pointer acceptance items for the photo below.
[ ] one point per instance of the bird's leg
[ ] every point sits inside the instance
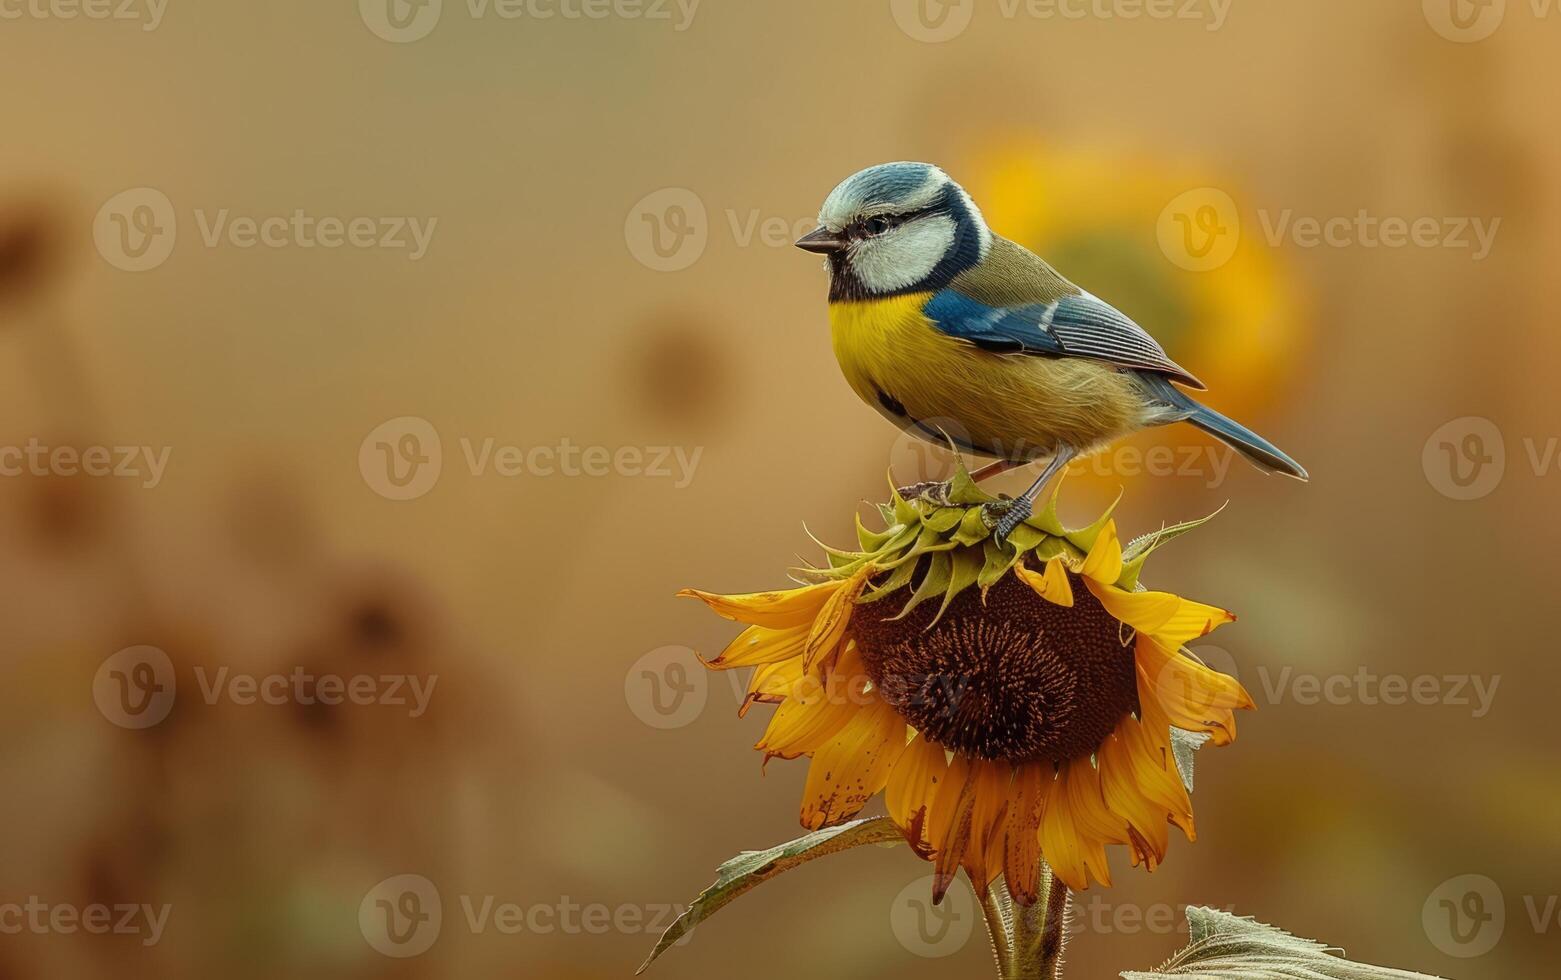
(995, 469)
(1010, 514)
(937, 491)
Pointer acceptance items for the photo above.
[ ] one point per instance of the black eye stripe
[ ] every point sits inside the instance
(859, 227)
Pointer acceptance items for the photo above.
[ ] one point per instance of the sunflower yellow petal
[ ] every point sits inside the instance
(1190, 695)
(814, 712)
(852, 767)
(759, 645)
(1077, 825)
(775, 610)
(1051, 584)
(772, 684)
(1103, 564)
(913, 786)
(1169, 618)
(1022, 844)
(949, 826)
(984, 857)
(829, 628)
(1126, 797)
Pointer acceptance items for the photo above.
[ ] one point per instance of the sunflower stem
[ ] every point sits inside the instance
(1040, 932)
(996, 910)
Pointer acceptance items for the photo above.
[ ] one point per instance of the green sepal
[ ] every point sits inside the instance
(1085, 537)
(944, 519)
(972, 529)
(1026, 538)
(871, 541)
(967, 564)
(940, 571)
(898, 579)
(997, 559)
(1140, 548)
(965, 491)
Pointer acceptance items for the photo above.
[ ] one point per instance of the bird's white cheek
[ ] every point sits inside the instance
(904, 256)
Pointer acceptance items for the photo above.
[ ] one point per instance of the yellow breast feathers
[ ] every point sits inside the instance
(1014, 406)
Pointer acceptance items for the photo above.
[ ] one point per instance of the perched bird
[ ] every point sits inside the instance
(955, 333)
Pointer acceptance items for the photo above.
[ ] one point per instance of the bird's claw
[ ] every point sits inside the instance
(1005, 515)
(936, 491)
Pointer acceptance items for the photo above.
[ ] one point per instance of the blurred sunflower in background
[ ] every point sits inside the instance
(1164, 241)
(1010, 700)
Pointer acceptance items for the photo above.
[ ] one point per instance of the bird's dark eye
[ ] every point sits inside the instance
(878, 225)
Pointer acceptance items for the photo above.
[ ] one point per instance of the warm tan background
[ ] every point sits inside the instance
(532, 778)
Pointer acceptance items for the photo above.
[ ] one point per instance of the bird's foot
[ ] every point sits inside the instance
(1002, 516)
(936, 491)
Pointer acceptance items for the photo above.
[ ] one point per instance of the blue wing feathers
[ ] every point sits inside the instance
(1076, 325)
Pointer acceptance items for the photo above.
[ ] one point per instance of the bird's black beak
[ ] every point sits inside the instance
(823, 241)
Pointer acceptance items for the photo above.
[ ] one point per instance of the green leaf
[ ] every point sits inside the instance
(1228, 947)
(751, 868)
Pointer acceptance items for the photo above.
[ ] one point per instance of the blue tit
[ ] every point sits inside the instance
(953, 332)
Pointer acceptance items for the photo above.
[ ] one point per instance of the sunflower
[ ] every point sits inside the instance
(1012, 700)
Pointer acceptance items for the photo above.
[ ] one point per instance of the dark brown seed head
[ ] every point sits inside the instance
(1014, 677)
